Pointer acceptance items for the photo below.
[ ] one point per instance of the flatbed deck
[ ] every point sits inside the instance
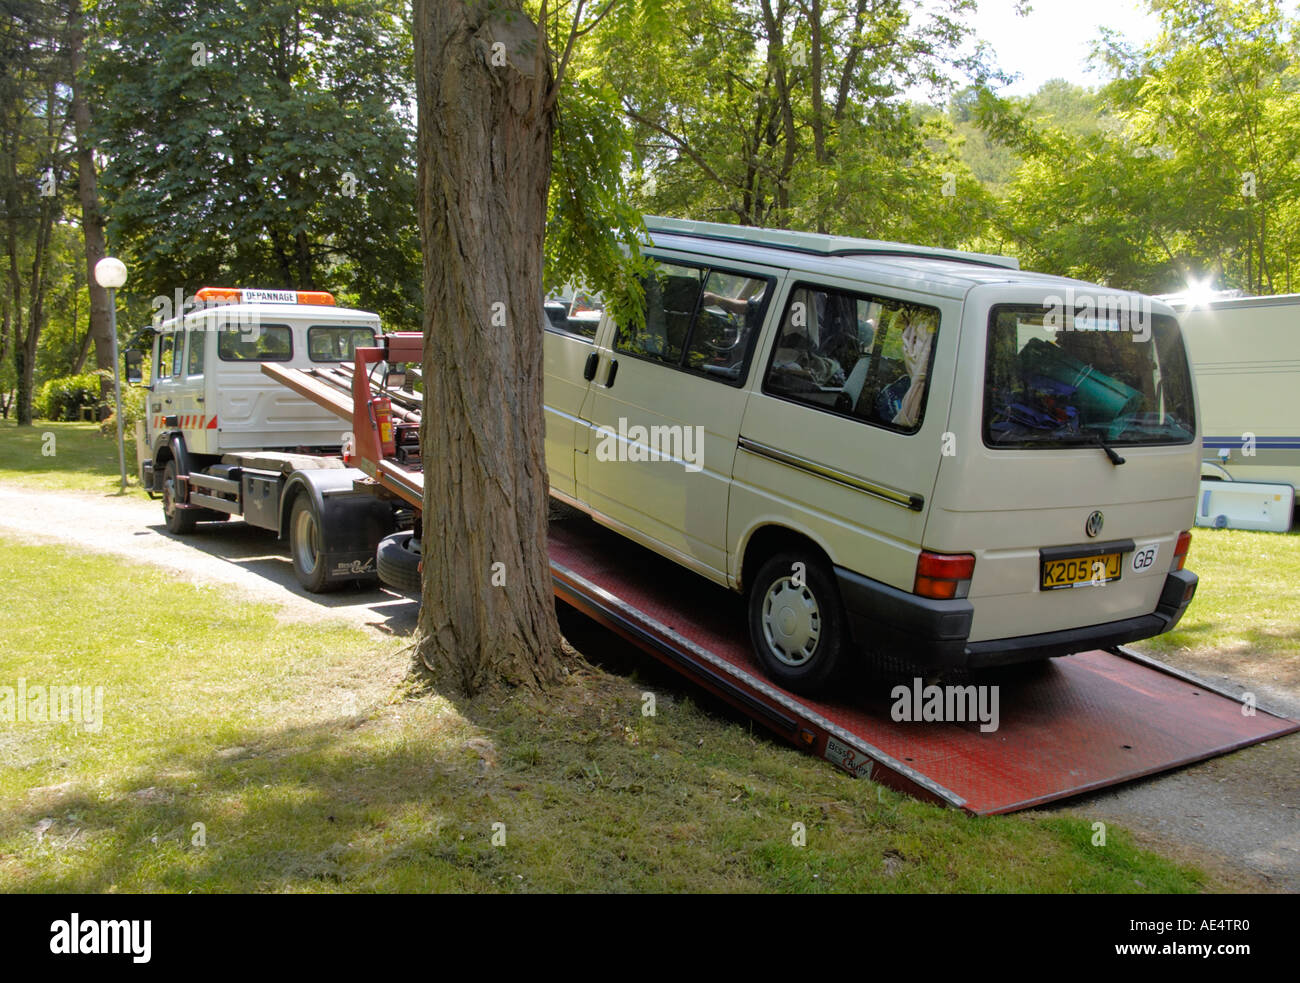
(1066, 727)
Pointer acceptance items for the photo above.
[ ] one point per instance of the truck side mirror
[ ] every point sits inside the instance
(134, 366)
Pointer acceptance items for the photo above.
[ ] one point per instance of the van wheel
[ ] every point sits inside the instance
(398, 562)
(796, 622)
(305, 545)
(179, 521)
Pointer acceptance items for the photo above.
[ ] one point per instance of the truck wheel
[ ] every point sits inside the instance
(305, 545)
(179, 521)
(797, 623)
(398, 562)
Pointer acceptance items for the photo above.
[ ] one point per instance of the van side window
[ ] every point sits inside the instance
(194, 363)
(574, 312)
(854, 355)
(730, 315)
(700, 320)
(671, 295)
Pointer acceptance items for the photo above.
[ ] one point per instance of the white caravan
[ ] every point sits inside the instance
(1245, 353)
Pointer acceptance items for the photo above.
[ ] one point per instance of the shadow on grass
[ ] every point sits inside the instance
(281, 811)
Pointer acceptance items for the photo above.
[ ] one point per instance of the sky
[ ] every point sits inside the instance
(1053, 41)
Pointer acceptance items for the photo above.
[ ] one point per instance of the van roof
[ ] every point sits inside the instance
(945, 272)
(816, 243)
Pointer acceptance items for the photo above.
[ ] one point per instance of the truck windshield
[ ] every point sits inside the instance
(1072, 377)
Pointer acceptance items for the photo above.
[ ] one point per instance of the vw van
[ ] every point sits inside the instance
(894, 452)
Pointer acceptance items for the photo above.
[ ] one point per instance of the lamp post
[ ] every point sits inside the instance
(110, 273)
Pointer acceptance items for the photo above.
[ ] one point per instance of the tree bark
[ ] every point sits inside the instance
(485, 130)
(92, 218)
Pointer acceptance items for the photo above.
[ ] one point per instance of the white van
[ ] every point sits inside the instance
(894, 451)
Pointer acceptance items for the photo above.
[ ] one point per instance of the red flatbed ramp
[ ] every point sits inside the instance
(1077, 724)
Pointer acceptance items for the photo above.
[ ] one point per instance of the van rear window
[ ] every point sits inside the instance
(255, 343)
(1069, 377)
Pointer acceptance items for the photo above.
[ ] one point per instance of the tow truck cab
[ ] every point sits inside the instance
(222, 439)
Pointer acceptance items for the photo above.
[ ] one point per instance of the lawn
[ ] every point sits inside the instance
(65, 456)
(239, 752)
(1245, 618)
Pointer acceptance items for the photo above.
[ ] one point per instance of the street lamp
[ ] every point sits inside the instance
(110, 273)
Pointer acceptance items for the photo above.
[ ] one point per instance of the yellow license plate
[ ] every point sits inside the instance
(1083, 571)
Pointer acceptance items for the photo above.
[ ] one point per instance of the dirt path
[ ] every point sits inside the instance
(246, 558)
(1238, 814)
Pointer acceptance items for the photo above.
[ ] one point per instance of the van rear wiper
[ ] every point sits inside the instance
(1115, 459)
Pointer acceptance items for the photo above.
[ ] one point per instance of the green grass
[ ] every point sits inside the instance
(317, 762)
(65, 456)
(1247, 604)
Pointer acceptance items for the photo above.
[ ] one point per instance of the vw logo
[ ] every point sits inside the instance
(1093, 526)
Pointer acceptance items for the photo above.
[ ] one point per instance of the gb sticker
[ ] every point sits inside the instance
(1145, 558)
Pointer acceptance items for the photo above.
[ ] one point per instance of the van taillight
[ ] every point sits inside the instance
(1180, 551)
(943, 575)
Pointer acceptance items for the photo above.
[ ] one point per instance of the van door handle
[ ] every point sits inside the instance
(589, 370)
(200, 399)
(613, 371)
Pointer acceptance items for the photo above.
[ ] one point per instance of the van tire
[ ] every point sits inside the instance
(305, 551)
(798, 631)
(179, 521)
(398, 562)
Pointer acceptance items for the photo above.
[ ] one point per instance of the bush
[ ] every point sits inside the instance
(133, 409)
(64, 397)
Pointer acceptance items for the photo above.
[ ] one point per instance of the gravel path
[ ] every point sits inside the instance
(242, 556)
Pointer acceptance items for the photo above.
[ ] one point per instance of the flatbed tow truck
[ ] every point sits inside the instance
(1066, 727)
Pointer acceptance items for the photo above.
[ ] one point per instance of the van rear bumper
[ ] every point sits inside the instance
(933, 634)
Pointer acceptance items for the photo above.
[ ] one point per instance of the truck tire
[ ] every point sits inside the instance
(398, 562)
(305, 546)
(797, 623)
(179, 521)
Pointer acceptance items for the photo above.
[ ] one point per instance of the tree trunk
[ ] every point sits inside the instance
(92, 218)
(83, 351)
(25, 367)
(484, 165)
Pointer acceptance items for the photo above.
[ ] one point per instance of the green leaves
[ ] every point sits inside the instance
(1185, 165)
(279, 151)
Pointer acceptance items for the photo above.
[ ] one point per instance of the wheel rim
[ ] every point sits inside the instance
(305, 548)
(169, 495)
(792, 622)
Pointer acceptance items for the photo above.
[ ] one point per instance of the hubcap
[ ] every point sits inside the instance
(169, 497)
(305, 546)
(792, 622)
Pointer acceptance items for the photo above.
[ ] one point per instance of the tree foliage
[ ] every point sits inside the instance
(1188, 167)
(793, 113)
(262, 142)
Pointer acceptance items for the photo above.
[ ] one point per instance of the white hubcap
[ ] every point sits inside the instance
(792, 622)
